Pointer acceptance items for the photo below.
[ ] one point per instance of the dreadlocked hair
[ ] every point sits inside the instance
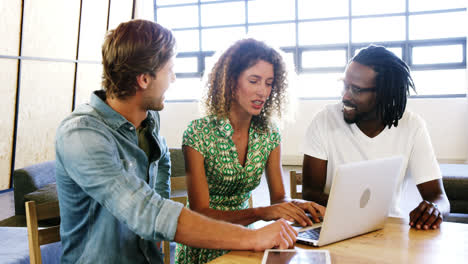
(392, 80)
(221, 83)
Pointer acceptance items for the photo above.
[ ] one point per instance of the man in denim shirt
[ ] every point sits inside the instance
(113, 166)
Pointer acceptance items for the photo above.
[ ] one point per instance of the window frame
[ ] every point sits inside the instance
(406, 45)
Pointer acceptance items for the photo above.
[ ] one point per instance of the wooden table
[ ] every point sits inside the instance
(396, 243)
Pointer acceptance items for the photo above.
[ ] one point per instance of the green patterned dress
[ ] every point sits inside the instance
(230, 184)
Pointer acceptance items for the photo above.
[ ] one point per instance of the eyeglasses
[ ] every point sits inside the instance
(355, 91)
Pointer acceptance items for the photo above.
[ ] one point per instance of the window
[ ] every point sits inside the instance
(321, 36)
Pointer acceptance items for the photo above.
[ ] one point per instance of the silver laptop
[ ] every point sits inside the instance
(359, 201)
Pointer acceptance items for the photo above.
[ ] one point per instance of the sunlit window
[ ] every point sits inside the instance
(320, 37)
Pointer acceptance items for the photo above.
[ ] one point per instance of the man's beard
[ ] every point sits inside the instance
(152, 104)
(359, 117)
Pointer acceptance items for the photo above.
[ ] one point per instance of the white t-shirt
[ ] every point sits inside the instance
(330, 138)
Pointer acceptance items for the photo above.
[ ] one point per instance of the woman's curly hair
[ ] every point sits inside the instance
(222, 80)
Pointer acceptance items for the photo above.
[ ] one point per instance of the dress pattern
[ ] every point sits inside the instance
(230, 184)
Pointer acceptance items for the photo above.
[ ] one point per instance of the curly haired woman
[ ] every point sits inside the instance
(227, 151)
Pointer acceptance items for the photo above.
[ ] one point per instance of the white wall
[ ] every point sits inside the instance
(446, 118)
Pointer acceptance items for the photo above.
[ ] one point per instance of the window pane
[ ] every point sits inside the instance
(88, 79)
(438, 54)
(174, 2)
(323, 58)
(54, 35)
(171, 17)
(185, 88)
(423, 5)
(207, 1)
(10, 21)
(270, 33)
(319, 85)
(186, 40)
(437, 25)
(186, 64)
(440, 82)
(8, 75)
(219, 38)
(396, 50)
(325, 32)
(288, 58)
(311, 9)
(222, 14)
(45, 100)
(370, 7)
(92, 29)
(378, 29)
(271, 10)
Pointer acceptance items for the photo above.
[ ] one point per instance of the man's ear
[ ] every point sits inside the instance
(143, 80)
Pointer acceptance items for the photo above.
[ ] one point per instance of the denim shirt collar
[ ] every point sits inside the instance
(107, 114)
(112, 117)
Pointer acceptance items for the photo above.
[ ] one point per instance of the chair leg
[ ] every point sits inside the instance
(33, 234)
(167, 253)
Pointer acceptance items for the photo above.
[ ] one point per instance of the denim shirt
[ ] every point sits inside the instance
(110, 211)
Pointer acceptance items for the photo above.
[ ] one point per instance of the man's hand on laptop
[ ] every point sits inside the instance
(277, 235)
(426, 216)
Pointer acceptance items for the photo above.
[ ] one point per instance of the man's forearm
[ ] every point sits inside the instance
(241, 217)
(199, 231)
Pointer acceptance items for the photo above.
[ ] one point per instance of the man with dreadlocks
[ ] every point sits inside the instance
(371, 123)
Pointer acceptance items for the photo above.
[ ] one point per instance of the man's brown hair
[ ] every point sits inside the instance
(133, 48)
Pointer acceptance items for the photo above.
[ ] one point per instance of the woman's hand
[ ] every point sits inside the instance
(290, 211)
(316, 211)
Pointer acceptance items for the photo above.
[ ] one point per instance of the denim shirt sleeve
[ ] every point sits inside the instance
(163, 182)
(90, 155)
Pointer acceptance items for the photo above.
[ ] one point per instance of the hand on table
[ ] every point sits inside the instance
(425, 216)
(277, 235)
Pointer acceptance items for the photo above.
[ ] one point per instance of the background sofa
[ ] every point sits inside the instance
(36, 182)
(455, 177)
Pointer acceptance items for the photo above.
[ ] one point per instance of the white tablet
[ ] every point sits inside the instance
(296, 256)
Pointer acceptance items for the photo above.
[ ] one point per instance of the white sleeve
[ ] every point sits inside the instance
(422, 162)
(315, 141)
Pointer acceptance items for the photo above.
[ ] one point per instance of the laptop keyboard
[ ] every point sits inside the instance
(311, 233)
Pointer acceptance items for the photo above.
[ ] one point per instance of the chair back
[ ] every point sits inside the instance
(179, 189)
(37, 237)
(296, 184)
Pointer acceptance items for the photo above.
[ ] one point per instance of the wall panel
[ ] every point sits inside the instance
(45, 100)
(88, 80)
(10, 20)
(50, 28)
(120, 11)
(8, 76)
(93, 29)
